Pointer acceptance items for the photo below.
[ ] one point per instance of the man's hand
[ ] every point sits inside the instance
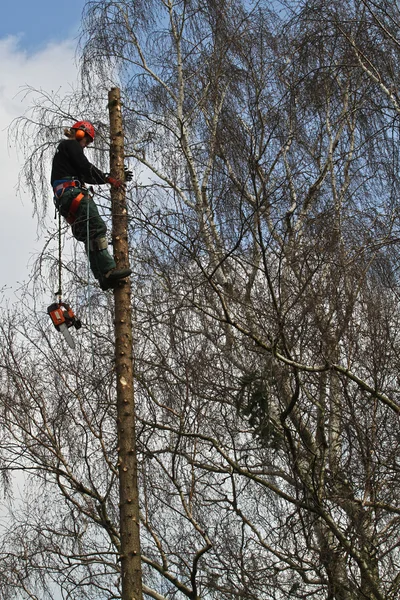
(128, 174)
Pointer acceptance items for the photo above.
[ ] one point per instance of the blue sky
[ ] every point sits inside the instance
(38, 41)
(38, 22)
(37, 48)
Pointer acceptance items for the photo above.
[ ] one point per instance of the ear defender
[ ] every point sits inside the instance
(80, 134)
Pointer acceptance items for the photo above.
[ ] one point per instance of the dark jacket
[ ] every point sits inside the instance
(69, 162)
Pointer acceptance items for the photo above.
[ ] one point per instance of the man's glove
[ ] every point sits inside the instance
(128, 174)
(117, 183)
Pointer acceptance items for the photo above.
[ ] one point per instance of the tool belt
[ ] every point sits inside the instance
(60, 188)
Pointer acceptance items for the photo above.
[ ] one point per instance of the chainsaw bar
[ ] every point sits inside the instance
(67, 336)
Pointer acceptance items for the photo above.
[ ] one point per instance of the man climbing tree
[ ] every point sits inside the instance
(70, 171)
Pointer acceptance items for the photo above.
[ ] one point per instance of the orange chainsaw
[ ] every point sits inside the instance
(63, 318)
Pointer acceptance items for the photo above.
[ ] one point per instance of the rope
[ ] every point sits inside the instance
(88, 297)
(59, 258)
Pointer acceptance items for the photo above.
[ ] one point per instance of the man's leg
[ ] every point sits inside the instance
(100, 259)
(101, 262)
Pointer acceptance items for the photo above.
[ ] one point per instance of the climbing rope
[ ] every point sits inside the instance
(59, 259)
(88, 296)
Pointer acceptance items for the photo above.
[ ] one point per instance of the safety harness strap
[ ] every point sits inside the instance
(71, 218)
(65, 184)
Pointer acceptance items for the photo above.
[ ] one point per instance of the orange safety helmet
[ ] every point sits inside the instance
(83, 128)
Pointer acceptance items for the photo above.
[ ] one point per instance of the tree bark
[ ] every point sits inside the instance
(131, 573)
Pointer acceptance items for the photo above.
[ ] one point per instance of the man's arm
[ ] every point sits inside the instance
(84, 168)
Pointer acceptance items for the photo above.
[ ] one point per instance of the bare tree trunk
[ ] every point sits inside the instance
(127, 460)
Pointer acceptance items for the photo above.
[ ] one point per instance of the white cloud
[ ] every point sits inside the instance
(52, 68)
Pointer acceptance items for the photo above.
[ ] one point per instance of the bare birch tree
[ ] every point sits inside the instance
(264, 235)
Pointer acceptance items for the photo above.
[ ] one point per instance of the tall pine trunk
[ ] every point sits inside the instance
(131, 573)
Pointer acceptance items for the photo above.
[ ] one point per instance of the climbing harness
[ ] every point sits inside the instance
(63, 185)
(59, 188)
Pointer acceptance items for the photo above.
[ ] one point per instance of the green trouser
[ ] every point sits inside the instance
(100, 261)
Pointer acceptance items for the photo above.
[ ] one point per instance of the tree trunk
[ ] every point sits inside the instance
(131, 574)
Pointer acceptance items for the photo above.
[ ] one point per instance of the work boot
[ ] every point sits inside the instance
(113, 278)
